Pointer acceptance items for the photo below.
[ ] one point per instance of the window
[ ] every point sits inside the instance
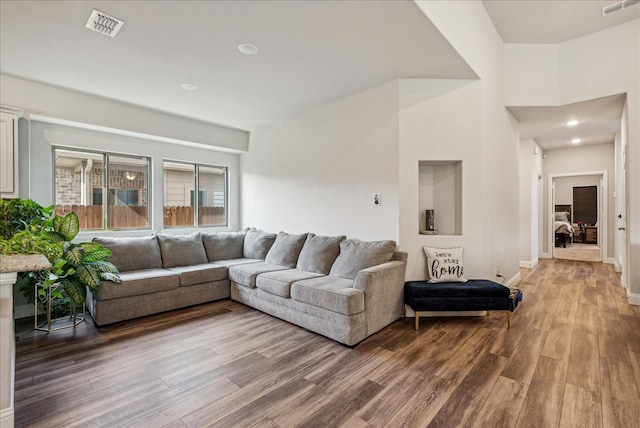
(194, 195)
(585, 204)
(83, 177)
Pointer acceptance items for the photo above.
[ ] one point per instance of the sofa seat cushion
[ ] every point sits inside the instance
(279, 282)
(232, 262)
(246, 274)
(198, 274)
(139, 282)
(331, 293)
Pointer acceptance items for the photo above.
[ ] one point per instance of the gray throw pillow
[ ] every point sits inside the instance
(223, 245)
(357, 255)
(319, 253)
(129, 254)
(286, 249)
(257, 244)
(182, 250)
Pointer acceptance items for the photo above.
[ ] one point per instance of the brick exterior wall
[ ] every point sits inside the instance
(69, 189)
(67, 186)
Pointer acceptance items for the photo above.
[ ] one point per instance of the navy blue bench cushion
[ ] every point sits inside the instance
(471, 288)
(473, 295)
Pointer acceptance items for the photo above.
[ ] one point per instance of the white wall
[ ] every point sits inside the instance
(565, 185)
(55, 103)
(493, 236)
(542, 76)
(596, 65)
(317, 172)
(580, 160)
(430, 131)
(103, 124)
(39, 176)
(530, 187)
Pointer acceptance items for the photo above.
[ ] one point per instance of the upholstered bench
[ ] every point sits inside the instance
(473, 295)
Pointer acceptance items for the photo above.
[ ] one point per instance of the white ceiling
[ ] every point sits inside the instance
(311, 53)
(599, 121)
(556, 22)
(553, 21)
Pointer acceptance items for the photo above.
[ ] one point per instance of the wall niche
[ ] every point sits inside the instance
(440, 190)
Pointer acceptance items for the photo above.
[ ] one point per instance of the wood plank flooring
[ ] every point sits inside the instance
(570, 359)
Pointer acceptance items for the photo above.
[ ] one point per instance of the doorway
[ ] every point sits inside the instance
(578, 215)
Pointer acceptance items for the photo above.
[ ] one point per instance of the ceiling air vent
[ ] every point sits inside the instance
(618, 6)
(104, 24)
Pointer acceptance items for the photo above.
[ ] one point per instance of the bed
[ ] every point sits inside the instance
(562, 225)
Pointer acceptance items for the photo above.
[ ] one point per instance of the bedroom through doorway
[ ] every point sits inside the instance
(578, 214)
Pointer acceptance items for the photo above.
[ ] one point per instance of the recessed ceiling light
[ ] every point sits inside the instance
(571, 119)
(189, 87)
(576, 141)
(248, 49)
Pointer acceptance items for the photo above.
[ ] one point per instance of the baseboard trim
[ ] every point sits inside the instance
(515, 279)
(633, 298)
(529, 264)
(609, 261)
(546, 256)
(6, 417)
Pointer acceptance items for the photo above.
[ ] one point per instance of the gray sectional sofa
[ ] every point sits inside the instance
(341, 288)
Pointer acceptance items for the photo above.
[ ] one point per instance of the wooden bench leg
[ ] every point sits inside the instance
(507, 315)
(417, 326)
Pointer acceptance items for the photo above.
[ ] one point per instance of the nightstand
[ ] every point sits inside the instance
(591, 235)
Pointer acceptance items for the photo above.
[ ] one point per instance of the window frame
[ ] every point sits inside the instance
(105, 188)
(197, 192)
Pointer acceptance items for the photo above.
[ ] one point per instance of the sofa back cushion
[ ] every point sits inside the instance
(357, 255)
(223, 245)
(286, 249)
(182, 250)
(319, 253)
(130, 254)
(257, 244)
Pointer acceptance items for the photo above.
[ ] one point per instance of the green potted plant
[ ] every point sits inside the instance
(27, 227)
(81, 266)
(24, 226)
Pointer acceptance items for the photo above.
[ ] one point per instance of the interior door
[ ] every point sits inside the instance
(621, 219)
(552, 218)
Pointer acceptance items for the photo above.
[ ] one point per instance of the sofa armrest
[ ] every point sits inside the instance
(383, 287)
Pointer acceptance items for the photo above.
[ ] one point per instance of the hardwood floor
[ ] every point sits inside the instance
(570, 359)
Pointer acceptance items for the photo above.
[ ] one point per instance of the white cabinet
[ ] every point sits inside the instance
(9, 152)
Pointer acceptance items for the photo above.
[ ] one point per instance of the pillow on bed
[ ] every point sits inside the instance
(562, 216)
(445, 264)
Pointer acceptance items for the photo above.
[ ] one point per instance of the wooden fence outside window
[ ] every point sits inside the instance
(126, 217)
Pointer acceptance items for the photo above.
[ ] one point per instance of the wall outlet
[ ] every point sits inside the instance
(497, 275)
(377, 200)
